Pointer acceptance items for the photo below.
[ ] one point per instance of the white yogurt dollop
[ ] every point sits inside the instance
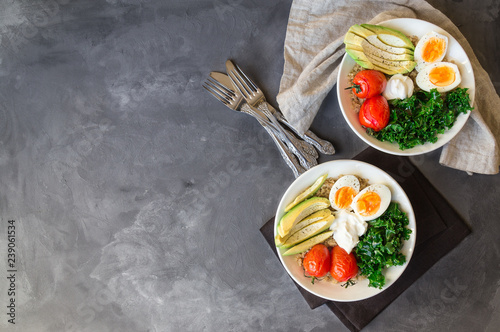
(347, 228)
(398, 87)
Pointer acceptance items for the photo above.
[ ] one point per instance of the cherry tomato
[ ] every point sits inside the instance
(368, 83)
(317, 261)
(344, 265)
(375, 113)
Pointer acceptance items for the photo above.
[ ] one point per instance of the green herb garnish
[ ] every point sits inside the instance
(420, 118)
(380, 246)
(348, 283)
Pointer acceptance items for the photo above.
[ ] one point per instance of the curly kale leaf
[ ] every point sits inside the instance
(380, 247)
(421, 117)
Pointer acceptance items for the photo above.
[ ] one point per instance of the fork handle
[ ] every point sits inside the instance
(289, 158)
(307, 148)
(296, 146)
(310, 137)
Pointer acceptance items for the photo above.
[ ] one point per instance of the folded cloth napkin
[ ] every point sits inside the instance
(439, 230)
(313, 51)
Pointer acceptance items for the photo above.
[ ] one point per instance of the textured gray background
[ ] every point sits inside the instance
(138, 198)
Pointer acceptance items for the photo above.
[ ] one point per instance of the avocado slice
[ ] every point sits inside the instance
(309, 192)
(390, 36)
(308, 244)
(299, 212)
(372, 40)
(389, 67)
(309, 231)
(366, 47)
(361, 31)
(402, 66)
(370, 49)
(360, 58)
(316, 216)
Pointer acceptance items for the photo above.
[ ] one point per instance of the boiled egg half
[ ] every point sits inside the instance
(443, 76)
(343, 192)
(430, 48)
(372, 201)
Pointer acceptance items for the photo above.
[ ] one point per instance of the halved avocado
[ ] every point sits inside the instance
(299, 212)
(306, 245)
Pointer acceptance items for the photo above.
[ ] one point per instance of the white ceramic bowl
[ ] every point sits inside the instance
(455, 52)
(334, 169)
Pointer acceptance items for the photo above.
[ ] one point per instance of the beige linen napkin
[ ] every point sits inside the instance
(314, 49)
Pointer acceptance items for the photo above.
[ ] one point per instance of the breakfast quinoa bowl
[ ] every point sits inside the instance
(321, 236)
(394, 122)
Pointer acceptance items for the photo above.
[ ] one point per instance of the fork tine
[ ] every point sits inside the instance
(247, 79)
(216, 92)
(238, 82)
(222, 100)
(230, 93)
(243, 80)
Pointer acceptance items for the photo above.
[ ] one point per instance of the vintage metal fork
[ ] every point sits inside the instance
(256, 99)
(308, 136)
(234, 102)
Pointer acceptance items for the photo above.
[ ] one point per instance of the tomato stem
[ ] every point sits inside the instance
(313, 278)
(355, 86)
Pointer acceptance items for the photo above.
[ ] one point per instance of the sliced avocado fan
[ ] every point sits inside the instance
(299, 212)
(377, 47)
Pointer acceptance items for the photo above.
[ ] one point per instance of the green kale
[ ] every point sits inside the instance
(380, 247)
(458, 101)
(420, 118)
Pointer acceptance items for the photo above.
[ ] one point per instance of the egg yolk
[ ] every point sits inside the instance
(368, 204)
(344, 196)
(442, 76)
(433, 49)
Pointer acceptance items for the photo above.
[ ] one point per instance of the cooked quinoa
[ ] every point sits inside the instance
(355, 101)
(324, 190)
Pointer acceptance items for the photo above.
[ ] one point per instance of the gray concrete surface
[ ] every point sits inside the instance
(138, 199)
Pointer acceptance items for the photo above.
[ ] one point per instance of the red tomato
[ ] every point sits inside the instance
(375, 113)
(344, 265)
(317, 261)
(368, 83)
